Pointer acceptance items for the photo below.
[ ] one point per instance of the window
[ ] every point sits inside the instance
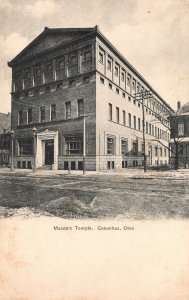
(42, 113)
(48, 67)
(74, 145)
(73, 59)
(165, 152)
(53, 112)
(29, 115)
(134, 84)
(117, 114)
(124, 147)
(156, 151)
(86, 55)
(110, 85)
(128, 79)
(180, 129)
(138, 123)
(109, 65)
(161, 151)
(68, 109)
(134, 101)
(122, 76)
(60, 64)
(116, 71)
(123, 95)
(27, 74)
(101, 57)
(134, 121)
(25, 146)
(37, 70)
(129, 98)
(110, 112)
(138, 88)
(117, 90)
(124, 118)
(80, 107)
(129, 115)
(20, 117)
(150, 129)
(135, 150)
(102, 80)
(110, 145)
(147, 127)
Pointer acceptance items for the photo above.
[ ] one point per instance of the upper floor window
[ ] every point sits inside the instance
(134, 121)
(109, 65)
(124, 118)
(117, 114)
(60, 64)
(129, 115)
(86, 55)
(180, 129)
(116, 71)
(128, 79)
(29, 112)
(73, 59)
(68, 109)
(101, 57)
(53, 112)
(138, 123)
(27, 74)
(42, 113)
(134, 84)
(122, 76)
(110, 112)
(48, 67)
(38, 70)
(20, 117)
(80, 108)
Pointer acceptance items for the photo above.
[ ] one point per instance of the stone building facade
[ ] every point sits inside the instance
(65, 74)
(179, 142)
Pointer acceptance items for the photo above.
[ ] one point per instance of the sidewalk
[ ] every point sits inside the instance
(130, 173)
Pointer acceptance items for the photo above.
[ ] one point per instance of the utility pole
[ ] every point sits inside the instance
(84, 144)
(141, 97)
(12, 151)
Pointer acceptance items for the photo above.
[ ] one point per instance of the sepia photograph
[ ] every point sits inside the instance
(94, 150)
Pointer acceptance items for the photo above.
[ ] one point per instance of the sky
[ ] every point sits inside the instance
(152, 35)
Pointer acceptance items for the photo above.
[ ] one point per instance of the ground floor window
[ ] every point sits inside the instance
(124, 147)
(74, 145)
(124, 163)
(110, 145)
(25, 146)
(110, 165)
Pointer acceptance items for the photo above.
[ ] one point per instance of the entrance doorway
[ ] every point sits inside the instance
(49, 152)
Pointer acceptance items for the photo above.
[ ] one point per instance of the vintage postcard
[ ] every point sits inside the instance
(94, 150)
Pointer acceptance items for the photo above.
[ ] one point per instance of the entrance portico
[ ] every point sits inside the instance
(47, 149)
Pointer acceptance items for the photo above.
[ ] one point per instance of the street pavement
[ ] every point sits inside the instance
(130, 194)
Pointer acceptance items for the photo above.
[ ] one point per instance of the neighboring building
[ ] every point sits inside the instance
(5, 125)
(67, 73)
(179, 142)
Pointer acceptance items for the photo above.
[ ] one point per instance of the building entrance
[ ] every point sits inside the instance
(49, 152)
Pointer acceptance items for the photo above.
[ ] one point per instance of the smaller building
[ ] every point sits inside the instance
(179, 143)
(5, 127)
